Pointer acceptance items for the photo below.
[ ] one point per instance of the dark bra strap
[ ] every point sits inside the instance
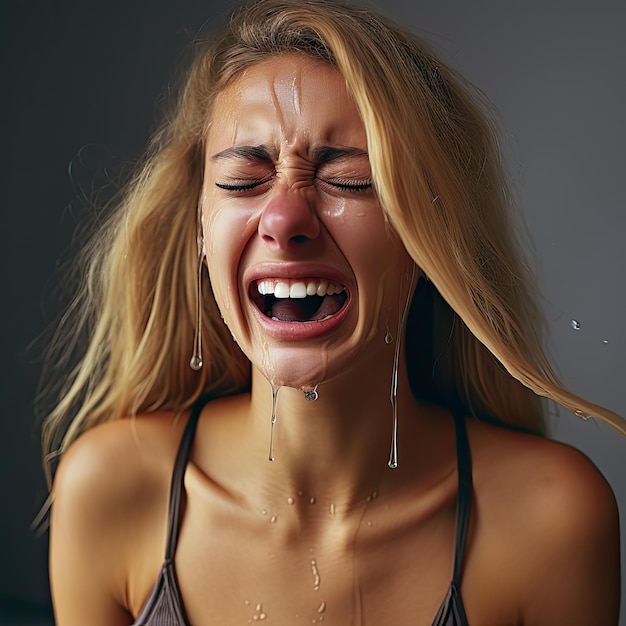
(464, 497)
(178, 475)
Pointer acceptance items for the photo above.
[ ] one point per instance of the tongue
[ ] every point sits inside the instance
(306, 309)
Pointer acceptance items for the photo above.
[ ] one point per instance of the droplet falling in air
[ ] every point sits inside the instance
(583, 416)
(393, 396)
(273, 421)
(575, 324)
(316, 575)
(195, 363)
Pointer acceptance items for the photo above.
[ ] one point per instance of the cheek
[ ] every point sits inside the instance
(226, 231)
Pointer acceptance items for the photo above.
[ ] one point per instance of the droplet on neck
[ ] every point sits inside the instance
(575, 324)
(275, 391)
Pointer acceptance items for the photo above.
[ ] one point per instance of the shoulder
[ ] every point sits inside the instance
(109, 510)
(114, 460)
(557, 521)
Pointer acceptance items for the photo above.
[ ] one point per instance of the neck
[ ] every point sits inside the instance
(337, 447)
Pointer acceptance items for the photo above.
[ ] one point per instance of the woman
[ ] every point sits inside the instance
(365, 451)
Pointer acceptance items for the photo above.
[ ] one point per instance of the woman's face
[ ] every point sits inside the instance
(304, 268)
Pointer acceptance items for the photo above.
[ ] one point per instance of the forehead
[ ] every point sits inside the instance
(291, 96)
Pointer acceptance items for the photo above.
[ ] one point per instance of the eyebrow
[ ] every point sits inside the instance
(263, 153)
(248, 153)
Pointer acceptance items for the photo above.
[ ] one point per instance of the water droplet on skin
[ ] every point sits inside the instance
(262, 616)
(258, 607)
(300, 493)
(273, 519)
(368, 499)
(275, 391)
(575, 324)
(388, 337)
(263, 512)
(322, 607)
(316, 575)
(247, 602)
(255, 618)
(332, 509)
(290, 500)
(370, 524)
(311, 500)
(374, 495)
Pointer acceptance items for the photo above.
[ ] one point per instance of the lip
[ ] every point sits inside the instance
(297, 331)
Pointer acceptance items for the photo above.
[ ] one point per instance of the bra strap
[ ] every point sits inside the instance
(464, 497)
(178, 475)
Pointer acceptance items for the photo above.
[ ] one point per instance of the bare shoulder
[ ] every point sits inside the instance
(555, 516)
(110, 497)
(117, 457)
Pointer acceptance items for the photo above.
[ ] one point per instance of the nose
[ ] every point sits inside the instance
(288, 220)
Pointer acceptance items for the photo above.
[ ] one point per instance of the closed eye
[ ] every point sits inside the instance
(349, 184)
(241, 186)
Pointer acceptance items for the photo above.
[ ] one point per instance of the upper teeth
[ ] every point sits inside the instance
(287, 288)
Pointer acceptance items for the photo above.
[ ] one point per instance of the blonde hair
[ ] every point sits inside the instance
(439, 178)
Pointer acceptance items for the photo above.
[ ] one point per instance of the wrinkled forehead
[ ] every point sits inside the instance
(292, 95)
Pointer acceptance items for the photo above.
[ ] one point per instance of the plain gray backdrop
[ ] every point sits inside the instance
(82, 83)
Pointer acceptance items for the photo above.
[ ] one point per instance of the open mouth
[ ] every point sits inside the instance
(298, 300)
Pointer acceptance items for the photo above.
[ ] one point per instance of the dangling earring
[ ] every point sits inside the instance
(393, 455)
(196, 358)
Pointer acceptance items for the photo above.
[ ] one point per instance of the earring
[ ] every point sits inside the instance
(196, 358)
(393, 455)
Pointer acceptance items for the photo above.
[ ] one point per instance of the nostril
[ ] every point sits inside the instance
(299, 238)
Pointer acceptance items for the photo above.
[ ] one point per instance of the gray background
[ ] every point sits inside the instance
(80, 83)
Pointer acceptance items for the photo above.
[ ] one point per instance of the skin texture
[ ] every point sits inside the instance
(327, 529)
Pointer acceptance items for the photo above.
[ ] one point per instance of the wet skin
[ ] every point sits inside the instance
(288, 198)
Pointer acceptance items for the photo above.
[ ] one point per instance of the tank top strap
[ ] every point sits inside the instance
(464, 497)
(178, 475)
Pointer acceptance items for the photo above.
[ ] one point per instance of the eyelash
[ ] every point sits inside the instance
(342, 185)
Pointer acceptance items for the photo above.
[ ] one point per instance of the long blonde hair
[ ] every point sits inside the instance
(439, 179)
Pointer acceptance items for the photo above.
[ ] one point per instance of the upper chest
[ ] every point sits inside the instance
(387, 565)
